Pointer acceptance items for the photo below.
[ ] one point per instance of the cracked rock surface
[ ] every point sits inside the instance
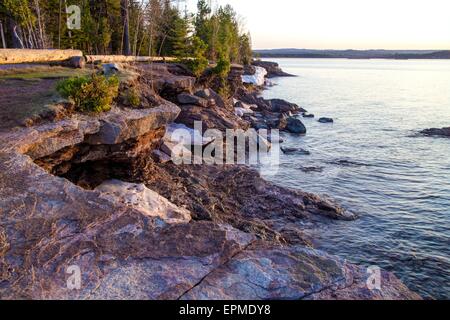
(165, 231)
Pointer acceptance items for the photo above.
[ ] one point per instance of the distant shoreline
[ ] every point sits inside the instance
(354, 54)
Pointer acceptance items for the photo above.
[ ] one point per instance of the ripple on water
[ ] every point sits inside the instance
(372, 161)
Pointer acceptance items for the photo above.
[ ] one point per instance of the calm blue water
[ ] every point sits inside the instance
(370, 161)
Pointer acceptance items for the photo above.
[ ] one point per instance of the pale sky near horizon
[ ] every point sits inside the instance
(345, 24)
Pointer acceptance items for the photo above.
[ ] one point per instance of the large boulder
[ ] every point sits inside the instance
(326, 120)
(282, 106)
(294, 125)
(120, 125)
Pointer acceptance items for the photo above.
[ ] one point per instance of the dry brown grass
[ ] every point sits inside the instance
(41, 72)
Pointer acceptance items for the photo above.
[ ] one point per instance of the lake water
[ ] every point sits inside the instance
(372, 162)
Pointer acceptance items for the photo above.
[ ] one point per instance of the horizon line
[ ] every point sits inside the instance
(349, 49)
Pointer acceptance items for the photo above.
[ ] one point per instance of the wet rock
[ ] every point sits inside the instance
(287, 150)
(331, 210)
(146, 201)
(443, 132)
(311, 169)
(348, 163)
(326, 120)
(307, 115)
(295, 126)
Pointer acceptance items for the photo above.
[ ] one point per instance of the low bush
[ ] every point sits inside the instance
(93, 93)
(197, 62)
(131, 97)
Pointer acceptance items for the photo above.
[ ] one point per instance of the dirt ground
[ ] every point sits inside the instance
(27, 94)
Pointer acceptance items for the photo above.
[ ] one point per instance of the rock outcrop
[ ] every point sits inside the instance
(442, 132)
(211, 110)
(85, 194)
(50, 226)
(273, 69)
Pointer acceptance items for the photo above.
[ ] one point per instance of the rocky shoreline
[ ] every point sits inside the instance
(96, 192)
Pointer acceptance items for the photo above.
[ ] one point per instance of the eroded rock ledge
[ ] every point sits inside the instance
(163, 231)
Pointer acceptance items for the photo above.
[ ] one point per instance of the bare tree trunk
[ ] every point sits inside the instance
(126, 27)
(59, 24)
(41, 27)
(17, 38)
(2, 35)
(138, 24)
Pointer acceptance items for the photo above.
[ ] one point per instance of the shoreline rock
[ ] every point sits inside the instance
(326, 120)
(273, 69)
(158, 230)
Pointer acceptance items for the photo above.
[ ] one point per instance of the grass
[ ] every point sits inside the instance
(41, 72)
(28, 93)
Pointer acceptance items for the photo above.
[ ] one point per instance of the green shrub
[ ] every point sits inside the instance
(131, 97)
(198, 61)
(90, 94)
(223, 67)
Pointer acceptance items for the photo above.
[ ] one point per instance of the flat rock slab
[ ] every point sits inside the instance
(271, 273)
(148, 202)
(109, 128)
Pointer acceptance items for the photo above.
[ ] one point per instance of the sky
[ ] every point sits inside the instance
(345, 24)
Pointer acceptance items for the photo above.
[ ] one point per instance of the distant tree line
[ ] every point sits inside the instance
(130, 27)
